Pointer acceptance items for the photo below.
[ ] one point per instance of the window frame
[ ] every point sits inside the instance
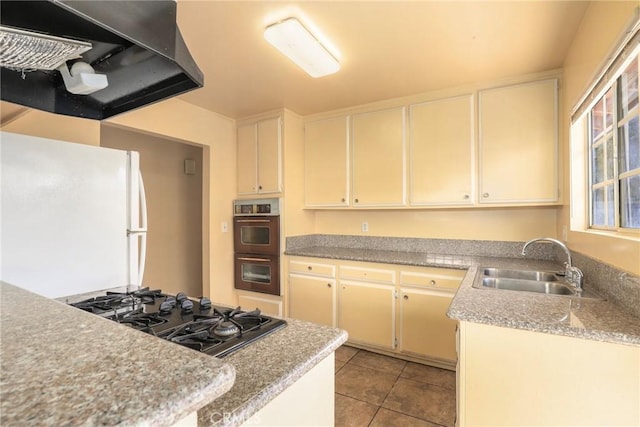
(581, 144)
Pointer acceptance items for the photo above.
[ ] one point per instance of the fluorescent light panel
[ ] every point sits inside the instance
(296, 42)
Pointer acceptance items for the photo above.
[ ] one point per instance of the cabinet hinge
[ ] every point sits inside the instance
(395, 294)
(395, 343)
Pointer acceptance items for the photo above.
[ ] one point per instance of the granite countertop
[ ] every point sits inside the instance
(581, 318)
(267, 367)
(77, 368)
(63, 366)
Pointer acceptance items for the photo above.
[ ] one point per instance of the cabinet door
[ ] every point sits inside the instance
(312, 299)
(247, 159)
(326, 163)
(442, 161)
(425, 328)
(379, 158)
(367, 312)
(518, 143)
(269, 155)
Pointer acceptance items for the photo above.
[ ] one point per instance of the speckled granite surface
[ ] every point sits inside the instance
(580, 318)
(267, 367)
(61, 366)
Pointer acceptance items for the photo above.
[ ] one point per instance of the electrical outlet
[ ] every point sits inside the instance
(564, 233)
(224, 226)
(365, 227)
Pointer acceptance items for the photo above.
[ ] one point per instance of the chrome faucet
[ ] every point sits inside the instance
(572, 274)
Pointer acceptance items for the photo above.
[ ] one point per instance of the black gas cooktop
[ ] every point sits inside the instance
(196, 324)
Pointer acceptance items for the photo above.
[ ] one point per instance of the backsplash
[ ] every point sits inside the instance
(488, 248)
(619, 287)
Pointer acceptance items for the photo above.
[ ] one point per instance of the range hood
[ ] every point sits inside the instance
(136, 44)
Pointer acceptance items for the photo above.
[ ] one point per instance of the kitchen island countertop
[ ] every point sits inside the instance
(267, 367)
(580, 318)
(63, 366)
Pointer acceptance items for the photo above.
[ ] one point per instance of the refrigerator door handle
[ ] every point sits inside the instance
(142, 231)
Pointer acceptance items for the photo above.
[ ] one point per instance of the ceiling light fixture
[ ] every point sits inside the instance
(296, 42)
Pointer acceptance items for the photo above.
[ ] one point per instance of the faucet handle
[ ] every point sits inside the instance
(575, 277)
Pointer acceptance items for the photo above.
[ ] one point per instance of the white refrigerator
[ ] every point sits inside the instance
(72, 216)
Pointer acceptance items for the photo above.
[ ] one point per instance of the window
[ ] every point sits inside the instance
(614, 154)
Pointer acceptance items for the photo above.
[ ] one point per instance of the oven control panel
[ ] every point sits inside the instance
(256, 207)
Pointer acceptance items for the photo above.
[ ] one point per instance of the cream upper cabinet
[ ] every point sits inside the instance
(378, 165)
(442, 155)
(247, 159)
(518, 129)
(326, 160)
(512, 377)
(259, 157)
(312, 291)
(366, 305)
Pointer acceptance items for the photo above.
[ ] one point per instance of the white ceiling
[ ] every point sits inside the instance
(387, 49)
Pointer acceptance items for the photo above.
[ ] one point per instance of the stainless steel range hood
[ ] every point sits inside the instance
(136, 44)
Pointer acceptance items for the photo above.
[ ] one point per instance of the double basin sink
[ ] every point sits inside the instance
(541, 282)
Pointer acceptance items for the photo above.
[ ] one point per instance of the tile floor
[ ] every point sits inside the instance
(380, 391)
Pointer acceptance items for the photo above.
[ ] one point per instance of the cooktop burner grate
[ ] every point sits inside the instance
(196, 324)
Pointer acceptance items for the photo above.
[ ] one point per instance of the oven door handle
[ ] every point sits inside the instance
(254, 259)
(253, 220)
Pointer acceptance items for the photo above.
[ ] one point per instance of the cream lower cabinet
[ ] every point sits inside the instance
(515, 377)
(367, 304)
(312, 291)
(367, 312)
(425, 327)
(425, 296)
(396, 309)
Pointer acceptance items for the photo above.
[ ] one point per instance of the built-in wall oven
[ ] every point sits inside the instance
(256, 229)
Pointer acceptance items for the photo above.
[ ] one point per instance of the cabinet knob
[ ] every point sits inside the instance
(309, 268)
(328, 285)
(432, 283)
(343, 200)
(466, 197)
(356, 200)
(485, 195)
(406, 297)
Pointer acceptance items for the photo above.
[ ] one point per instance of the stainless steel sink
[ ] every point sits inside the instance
(543, 276)
(551, 288)
(540, 282)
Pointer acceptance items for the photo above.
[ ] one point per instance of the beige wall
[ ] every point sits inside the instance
(513, 224)
(55, 126)
(602, 26)
(174, 202)
(216, 134)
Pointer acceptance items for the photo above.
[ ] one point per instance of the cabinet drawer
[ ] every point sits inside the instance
(368, 274)
(312, 268)
(432, 278)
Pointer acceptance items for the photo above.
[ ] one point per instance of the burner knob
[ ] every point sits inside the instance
(171, 300)
(186, 305)
(181, 297)
(167, 306)
(205, 303)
